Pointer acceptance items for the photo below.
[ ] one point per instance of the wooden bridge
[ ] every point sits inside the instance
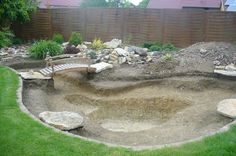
(51, 70)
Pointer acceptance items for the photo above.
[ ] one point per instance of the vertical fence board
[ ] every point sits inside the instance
(136, 26)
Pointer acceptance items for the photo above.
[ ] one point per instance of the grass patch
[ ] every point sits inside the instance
(20, 135)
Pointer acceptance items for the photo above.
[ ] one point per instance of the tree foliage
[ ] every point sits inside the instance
(15, 10)
(143, 4)
(94, 3)
(106, 3)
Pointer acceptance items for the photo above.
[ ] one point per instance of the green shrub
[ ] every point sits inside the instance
(40, 49)
(148, 45)
(97, 44)
(92, 55)
(155, 48)
(168, 47)
(167, 57)
(58, 38)
(6, 37)
(17, 41)
(159, 47)
(75, 38)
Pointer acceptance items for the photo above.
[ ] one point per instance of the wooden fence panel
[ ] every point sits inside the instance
(136, 26)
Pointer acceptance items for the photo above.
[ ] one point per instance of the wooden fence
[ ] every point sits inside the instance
(136, 26)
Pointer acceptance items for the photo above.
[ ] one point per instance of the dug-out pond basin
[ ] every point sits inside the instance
(136, 113)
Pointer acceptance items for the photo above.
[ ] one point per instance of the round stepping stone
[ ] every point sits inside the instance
(62, 120)
(227, 108)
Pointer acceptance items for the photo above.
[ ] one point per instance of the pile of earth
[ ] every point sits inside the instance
(201, 57)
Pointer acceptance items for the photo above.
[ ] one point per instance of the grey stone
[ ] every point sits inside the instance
(121, 52)
(227, 108)
(101, 66)
(122, 60)
(113, 43)
(230, 67)
(62, 120)
(225, 72)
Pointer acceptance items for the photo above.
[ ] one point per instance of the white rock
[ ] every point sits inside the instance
(107, 57)
(225, 72)
(3, 54)
(227, 108)
(33, 75)
(87, 43)
(122, 60)
(230, 67)
(121, 52)
(65, 44)
(82, 47)
(101, 66)
(62, 120)
(113, 44)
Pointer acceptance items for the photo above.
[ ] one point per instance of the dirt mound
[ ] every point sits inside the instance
(219, 53)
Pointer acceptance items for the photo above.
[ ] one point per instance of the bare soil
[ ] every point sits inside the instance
(145, 104)
(139, 113)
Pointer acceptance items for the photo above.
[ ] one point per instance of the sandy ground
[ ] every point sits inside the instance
(133, 105)
(137, 113)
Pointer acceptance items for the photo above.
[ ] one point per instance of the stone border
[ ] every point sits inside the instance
(135, 148)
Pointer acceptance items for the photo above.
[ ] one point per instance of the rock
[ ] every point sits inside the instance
(203, 51)
(225, 72)
(3, 54)
(82, 47)
(65, 44)
(101, 66)
(113, 43)
(113, 56)
(62, 120)
(216, 63)
(122, 60)
(227, 108)
(140, 51)
(33, 75)
(87, 43)
(107, 57)
(121, 52)
(230, 67)
(148, 59)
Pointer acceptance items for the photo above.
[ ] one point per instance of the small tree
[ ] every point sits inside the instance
(94, 3)
(143, 4)
(15, 10)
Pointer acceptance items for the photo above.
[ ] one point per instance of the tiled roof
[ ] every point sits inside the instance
(179, 4)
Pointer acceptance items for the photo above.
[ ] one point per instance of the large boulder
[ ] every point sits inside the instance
(140, 51)
(227, 108)
(113, 44)
(62, 120)
(121, 52)
(101, 66)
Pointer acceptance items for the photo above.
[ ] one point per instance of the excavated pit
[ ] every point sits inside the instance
(136, 113)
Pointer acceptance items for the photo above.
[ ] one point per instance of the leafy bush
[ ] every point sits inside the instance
(75, 38)
(6, 37)
(168, 47)
(159, 47)
(40, 49)
(58, 38)
(148, 45)
(97, 44)
(167, 57)
(155, 48)
(92, 55)
(17, 41)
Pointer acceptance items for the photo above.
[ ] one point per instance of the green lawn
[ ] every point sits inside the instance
(22, 136)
